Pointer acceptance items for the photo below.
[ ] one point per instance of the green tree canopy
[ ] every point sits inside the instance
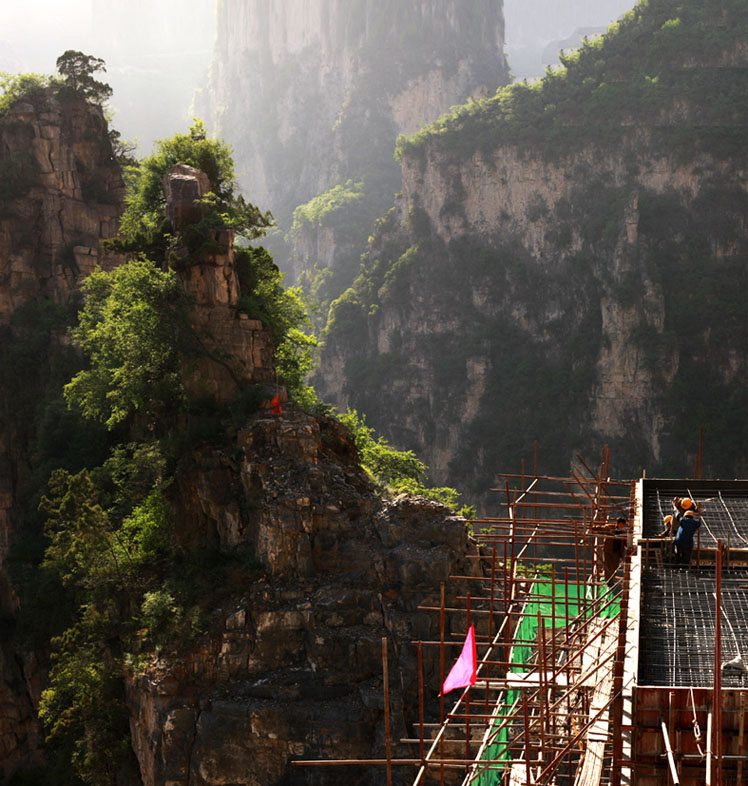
(130, 328)
(144, 219)
(77, 70)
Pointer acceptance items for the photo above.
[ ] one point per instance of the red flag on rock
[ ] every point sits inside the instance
(463, 673)
(275, 403)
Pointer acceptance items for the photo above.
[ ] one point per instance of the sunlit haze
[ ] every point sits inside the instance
(157, 52)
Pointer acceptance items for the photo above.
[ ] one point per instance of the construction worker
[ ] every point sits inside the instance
(615, 547)
(688, 520)
(667, 530)
(667, 533)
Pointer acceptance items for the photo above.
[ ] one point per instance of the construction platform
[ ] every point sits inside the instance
(599, 662)
(686, 709)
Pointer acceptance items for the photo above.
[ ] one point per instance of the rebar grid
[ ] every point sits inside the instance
(676, 644)
(724, 511)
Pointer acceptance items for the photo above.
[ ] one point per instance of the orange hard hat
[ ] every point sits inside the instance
(689, 513)
(668, 519)
(686, 503)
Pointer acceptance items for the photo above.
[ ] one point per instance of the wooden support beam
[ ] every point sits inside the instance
(670, 757)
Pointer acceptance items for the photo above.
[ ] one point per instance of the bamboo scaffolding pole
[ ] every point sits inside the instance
(420, 701)
(447, 763)
(670, 757)
(386, 680)
(551, 478)
(441, 682)
(467, 696)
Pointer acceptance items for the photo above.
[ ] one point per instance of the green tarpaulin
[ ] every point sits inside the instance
(542, 599)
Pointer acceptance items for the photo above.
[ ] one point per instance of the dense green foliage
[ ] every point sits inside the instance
(131, 327)
(31, 88)
(143, 223)
(76, 78)
(282, 310)
(345, 210)
(399, 470)
(639, 69)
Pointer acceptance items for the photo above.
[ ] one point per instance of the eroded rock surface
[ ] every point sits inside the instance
(62, 195)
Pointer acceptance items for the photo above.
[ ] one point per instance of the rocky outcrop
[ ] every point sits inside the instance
(539, 277)
(293, 668)
(235, 352)
(183, 187)
(61, 194)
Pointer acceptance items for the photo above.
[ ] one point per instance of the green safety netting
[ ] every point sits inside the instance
(543, 598)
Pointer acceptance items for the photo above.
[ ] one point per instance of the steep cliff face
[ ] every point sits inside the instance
(561, 265)
(283, 660)
(61, 195)
(326, 87)
(325, 84)
(292, 668)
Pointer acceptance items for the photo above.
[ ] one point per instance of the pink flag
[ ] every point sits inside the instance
(463, 673)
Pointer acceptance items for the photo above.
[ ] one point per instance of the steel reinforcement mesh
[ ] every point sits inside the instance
(676, 641)
(724, 511)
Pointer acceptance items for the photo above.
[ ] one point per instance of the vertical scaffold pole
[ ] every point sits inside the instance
(441, 683)
(387, 735)
(718, 667)
(467, 698)
(420, 702)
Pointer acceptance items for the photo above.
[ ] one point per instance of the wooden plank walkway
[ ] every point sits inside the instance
(596, 738)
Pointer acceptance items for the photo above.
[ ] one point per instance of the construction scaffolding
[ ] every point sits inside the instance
(599, 661)
(547, 615)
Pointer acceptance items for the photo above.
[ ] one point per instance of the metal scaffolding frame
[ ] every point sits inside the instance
(548, 603)
(595, 668)
(547, 716)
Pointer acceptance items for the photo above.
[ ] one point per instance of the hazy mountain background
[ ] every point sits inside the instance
(158, 51)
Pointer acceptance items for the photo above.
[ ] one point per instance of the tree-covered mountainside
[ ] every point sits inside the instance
(565, 264)
(171, 482)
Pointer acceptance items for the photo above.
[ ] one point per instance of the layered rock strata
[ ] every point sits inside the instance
(61, 195)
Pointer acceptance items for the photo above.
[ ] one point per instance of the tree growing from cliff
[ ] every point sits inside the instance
(143, 221)
(130, 328)
(77, 71)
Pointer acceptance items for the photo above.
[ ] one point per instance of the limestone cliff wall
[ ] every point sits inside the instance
(569, 286)
(292, 668)
(62, 194)
(314, 94)
(64, 198)
(297, 87)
